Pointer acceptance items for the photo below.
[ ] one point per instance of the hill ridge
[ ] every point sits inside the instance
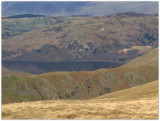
(77, 8)
(148, 59)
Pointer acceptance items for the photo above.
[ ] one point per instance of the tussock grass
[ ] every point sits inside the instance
(117, 105)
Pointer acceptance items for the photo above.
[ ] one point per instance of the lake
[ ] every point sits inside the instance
(44, 67)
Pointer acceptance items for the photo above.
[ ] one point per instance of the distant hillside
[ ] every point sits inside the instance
(19, 24)
(140, 102)
(77, 8)
(23, 16)
(114, 38)
(148, 59)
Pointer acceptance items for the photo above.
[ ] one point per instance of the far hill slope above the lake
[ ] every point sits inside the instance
(148, 59)
(115, 38)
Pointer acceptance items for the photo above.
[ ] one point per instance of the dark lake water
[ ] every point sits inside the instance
(44, 67)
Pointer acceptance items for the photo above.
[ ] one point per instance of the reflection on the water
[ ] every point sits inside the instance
(44, 67)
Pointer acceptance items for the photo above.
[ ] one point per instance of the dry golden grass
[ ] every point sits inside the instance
(139, 102)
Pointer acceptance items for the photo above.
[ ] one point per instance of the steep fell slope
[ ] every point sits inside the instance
(74, 85)
(140, 102)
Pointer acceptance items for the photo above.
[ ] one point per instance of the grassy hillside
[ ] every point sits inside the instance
(86, 39)
(140, 102)
(74, 85)
(148, 90)
(148, 59)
